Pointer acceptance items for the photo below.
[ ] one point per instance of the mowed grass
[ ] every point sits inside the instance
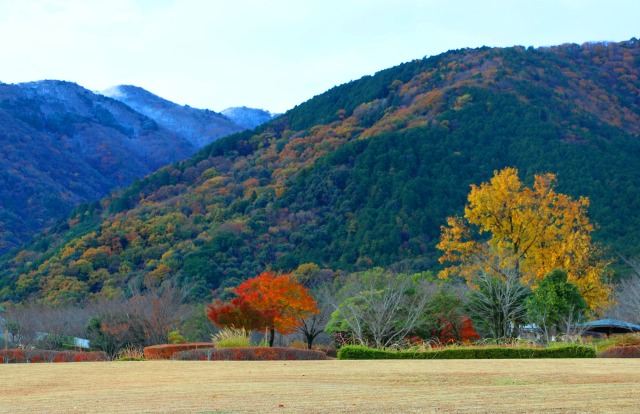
(464, 386)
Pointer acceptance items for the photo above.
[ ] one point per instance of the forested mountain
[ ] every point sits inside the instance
(361, 175)
(63, 145)
(199, 126)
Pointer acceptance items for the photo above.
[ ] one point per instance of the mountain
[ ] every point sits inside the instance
(198, 126)
(362, 175)
(63, 145)
(248, 118)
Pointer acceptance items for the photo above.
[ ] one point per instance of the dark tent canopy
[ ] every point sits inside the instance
(610, 326)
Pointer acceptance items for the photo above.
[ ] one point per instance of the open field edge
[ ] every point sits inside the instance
(504, 386)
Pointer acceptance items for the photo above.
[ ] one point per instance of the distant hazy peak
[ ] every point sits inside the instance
(199, 126)
(132, 93)
(117, 91)
(48, 83)
(248, 117)
(52, 87)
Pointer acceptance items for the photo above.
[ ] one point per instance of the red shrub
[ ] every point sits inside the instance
(165, 351)
(37, 358)
(8, 356)
(249, 354)
(466, 332)
(621, 352)
(329, 350)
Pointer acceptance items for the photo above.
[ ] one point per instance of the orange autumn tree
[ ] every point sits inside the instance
(530, 230)
(267, 301)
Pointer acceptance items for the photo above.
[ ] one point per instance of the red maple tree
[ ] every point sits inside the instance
(267, 301)
(464, 332)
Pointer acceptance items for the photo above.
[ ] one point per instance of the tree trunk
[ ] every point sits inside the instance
(272, 336)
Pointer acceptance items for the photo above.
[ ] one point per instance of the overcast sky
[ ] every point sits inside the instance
(274, 54)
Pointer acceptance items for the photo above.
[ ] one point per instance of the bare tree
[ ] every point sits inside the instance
(16, 330)
(628, 295)
(314, 325)
(382, 306)
(24, 325)
(58, 326)
(498, 303)
(43, 326)
(113, 329)
(162, 309)
(144, 319)
(571, 325)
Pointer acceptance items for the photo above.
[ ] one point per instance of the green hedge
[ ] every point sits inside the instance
(569, 351)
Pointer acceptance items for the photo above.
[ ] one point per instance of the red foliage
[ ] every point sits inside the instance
(468, 332)
(250, 354)
(464, 333)
(266, 301)
(166, 351)
(240, 313)
(8, 356)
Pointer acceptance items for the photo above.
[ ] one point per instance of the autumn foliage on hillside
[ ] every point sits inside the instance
(363, 175)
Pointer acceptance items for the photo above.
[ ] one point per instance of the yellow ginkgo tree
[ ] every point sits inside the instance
(532, 230)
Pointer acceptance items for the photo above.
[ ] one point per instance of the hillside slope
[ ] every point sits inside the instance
(63, 145)
(361, 175)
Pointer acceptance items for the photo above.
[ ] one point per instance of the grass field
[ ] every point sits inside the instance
(466, 386)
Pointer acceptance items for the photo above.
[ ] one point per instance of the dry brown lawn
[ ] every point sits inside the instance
(476, 386)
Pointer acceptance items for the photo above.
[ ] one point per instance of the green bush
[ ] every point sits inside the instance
(231, 338)
(568, 351)
(175, 337)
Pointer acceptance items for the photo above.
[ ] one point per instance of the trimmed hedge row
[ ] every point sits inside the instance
(621, 352)
(569, 351)
(166, 351)
(249, 354)
(9, 356)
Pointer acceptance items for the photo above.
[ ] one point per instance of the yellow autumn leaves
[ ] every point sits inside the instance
(533, 231)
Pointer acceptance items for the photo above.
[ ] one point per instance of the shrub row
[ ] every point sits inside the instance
(166, 351)
(8, 356)
(621, 352)
(249, 354)
(569, 351)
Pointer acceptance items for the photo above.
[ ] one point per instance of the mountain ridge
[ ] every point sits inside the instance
(199, 126)
(362, 175)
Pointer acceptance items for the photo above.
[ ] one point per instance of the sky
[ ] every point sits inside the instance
(274, 54)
